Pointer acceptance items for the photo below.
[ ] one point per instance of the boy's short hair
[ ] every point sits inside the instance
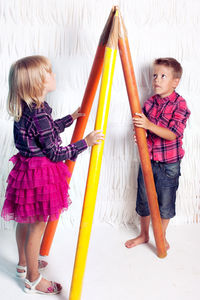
(172, 63)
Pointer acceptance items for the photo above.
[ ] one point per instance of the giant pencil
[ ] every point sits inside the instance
(141, 138)
(95, 164)
(81, 123)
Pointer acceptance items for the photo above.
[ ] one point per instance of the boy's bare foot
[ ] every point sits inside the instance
(141, 239)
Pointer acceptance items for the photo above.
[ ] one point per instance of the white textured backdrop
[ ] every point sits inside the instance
(67, 31)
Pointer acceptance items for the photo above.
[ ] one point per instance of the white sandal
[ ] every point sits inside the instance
(22, 275)
(54, 289)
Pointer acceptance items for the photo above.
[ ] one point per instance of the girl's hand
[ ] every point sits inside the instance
(77, 114)
(142, 121)
(94, 138)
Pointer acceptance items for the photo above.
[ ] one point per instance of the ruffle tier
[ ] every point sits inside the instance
(37, 190)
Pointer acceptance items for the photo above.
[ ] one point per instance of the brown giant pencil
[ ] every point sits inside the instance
(132, 91)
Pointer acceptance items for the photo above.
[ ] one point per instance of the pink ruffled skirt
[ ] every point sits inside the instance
(37, 190)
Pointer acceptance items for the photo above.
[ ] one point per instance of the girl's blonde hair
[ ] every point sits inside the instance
(26, 83)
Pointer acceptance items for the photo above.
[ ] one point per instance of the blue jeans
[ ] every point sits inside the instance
(166, 177)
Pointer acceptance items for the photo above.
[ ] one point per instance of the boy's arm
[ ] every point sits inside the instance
(162, 132)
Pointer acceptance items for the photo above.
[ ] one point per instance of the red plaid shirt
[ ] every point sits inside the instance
(170, 112)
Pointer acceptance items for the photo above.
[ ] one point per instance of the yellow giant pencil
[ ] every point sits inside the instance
(95, 163)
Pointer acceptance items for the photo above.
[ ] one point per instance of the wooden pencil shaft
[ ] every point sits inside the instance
(81, 123)
(141, 139)
(94, 170)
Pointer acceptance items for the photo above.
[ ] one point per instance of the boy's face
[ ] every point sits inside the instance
(164, 82)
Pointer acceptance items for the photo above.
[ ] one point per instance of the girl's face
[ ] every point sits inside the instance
(50, 82)
(164, 82)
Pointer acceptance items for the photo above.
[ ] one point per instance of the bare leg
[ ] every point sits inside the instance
(21, 235)
(21, 232)
(32, 248)
(165, 223)
(144, 234)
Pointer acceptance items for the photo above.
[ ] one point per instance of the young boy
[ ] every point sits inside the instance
(164, 117)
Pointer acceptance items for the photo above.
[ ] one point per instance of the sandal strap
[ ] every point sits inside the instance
(24, 268)
(34, 283)
(42, 264)
(54, 287)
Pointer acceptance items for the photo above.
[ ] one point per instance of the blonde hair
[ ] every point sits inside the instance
(26, 83)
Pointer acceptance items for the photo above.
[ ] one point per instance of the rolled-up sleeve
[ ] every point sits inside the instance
(45, 135)
(179, 118)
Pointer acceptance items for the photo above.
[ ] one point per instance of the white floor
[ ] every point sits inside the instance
(112, 271)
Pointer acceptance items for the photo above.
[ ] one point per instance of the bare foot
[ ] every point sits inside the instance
(141, 239)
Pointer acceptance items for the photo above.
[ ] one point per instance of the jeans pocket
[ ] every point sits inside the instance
(172, 170)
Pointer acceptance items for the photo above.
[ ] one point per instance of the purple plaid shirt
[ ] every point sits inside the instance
(36, 134)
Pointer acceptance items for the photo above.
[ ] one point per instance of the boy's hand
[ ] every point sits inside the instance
(162, 132)
(94, 138)
(77, 114)
(142, 122)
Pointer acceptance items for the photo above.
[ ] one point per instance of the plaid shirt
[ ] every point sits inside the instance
(36, 134)
(172, 113)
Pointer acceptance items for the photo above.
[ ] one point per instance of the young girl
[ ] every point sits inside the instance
(37, 190)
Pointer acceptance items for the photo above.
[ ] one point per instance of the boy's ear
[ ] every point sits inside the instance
(176, 82)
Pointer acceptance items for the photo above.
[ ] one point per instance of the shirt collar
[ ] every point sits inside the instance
(170, 98)
(48, 109)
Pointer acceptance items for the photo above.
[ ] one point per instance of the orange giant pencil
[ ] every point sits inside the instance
(141, 138)
(81, 123)
(92, 85)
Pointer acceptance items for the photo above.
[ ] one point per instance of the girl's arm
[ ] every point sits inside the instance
(43, 131)
(61, 124)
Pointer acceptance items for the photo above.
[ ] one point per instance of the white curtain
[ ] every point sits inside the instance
(67, 31)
